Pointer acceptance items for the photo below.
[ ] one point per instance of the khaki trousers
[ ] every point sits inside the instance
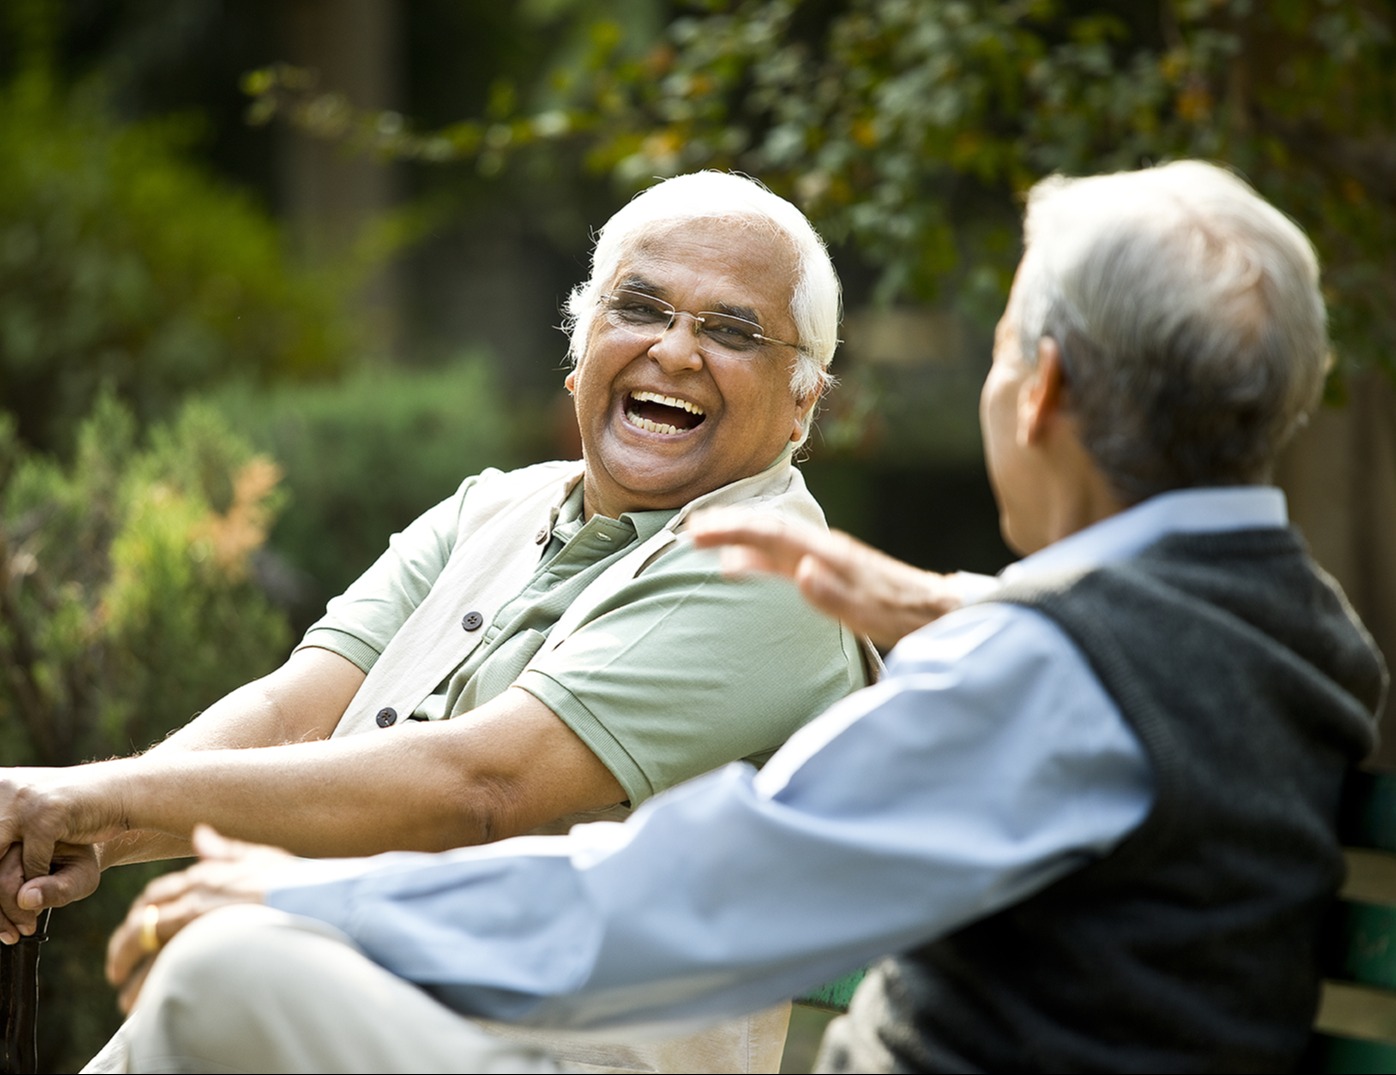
(249, 989)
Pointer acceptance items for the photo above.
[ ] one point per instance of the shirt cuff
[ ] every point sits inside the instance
(352, 649)
(598, 738)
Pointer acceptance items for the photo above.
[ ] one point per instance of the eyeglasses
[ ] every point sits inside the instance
(649, 318)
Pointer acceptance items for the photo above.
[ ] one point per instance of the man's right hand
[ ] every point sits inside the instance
(49, 859)
(74, 875)
(868, 590)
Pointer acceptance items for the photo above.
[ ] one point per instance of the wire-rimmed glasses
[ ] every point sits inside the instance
(648, 318)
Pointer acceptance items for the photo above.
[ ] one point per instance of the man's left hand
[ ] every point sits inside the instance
(229, 871)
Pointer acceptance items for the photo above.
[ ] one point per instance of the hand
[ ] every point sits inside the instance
(229, 871)
(870, 591)
(49, 818)
(75, 876)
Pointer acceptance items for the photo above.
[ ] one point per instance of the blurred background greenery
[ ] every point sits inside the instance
(276, 275)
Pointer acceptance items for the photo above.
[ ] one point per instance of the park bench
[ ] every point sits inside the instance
(1355, 1030)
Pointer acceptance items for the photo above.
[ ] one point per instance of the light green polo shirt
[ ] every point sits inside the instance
(679, 672)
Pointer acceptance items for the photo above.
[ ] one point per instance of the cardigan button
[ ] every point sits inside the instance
(386, 717)
(541, 536)
(471, 621)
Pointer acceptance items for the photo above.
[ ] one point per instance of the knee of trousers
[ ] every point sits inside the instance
(223, 972)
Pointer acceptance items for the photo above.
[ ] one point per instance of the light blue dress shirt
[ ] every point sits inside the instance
(987, 764)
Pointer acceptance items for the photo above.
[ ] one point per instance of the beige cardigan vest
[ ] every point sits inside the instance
(506, 517)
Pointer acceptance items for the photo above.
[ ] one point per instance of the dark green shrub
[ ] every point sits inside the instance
(127, 604)
(123, 265)
(128, 601)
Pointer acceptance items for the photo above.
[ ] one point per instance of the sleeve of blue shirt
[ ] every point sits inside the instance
(988, 763)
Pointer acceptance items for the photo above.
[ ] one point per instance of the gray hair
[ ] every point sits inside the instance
(711, 195)
(1188, 313)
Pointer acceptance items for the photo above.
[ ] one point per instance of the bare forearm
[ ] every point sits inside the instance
(419, 787)
(299, 702)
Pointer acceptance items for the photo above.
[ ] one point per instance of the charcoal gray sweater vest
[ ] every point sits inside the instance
(1191, 947)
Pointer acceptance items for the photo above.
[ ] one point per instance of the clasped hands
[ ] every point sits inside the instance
(50, 823)
(49, 857)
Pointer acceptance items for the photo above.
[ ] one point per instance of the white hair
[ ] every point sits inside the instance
(711, 195)
(1188, 313)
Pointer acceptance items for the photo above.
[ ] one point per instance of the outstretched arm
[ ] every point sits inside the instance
(870, 591)
(508, 767)
(56, 812)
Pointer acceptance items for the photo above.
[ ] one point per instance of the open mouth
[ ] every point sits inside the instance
(662, 414)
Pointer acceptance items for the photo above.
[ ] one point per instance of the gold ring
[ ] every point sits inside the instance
(150, 923)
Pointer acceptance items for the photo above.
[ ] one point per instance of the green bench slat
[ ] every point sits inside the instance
(1350, 1056)
(1362, 945)
(833, 996)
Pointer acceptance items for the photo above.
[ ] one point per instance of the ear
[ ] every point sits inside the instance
(802, 409)
(570, 381)
(1043, 397)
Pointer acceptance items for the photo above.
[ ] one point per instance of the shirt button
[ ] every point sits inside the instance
(471, 621)
(540, 537)
(386, 717)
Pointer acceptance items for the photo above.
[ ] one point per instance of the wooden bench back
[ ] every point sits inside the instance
(1356, 1026)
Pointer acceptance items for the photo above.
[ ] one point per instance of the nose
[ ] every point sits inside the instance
(677, 346)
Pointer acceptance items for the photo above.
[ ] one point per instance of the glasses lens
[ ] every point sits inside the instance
(729, 335)
(638, 312)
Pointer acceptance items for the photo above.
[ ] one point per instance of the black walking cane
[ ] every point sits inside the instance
(19, 1002)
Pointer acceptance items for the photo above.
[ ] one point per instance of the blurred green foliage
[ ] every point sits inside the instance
(124, 266)
(365, 455)
(907, 130)
(127, 595)
(127, 603)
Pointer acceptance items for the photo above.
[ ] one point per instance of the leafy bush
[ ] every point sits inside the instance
(127, 603)
(122, 265)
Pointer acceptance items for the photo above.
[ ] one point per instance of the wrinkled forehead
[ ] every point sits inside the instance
(712, 260)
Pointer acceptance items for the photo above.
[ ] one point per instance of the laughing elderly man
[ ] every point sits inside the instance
(542, 646)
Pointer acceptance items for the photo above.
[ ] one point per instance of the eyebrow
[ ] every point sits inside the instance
(645, 287)
(640, 284)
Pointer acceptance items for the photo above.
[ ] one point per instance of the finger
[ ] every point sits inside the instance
(825, 587)
(140, 935)
(15, 921)
(37, 856)
(211, 845)
(740, 527)
(67, 884)
(744, 559)
(9, 928)
(130, 992)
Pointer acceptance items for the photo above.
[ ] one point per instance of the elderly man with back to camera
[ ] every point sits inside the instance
(542, 646)
(1091, 812)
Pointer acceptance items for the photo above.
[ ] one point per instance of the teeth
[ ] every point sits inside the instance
(652, 427)
(668, 401)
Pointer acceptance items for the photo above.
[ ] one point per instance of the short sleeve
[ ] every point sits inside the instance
(359, 623)
(683, 670)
